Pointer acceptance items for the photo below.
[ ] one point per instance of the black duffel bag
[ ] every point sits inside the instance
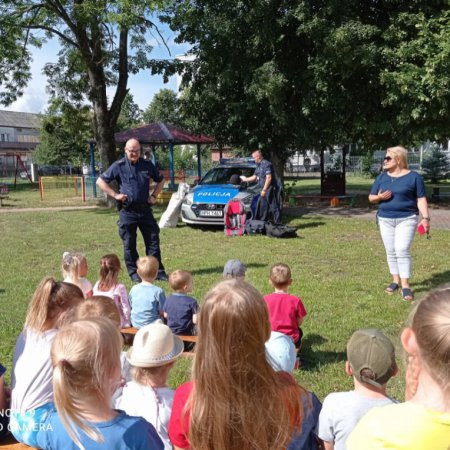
(254, 226)
(280, 231)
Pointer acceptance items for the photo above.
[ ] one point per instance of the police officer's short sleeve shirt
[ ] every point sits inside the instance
(133, 180)
(263, 169)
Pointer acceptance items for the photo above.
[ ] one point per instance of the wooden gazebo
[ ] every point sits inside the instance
(158, 134)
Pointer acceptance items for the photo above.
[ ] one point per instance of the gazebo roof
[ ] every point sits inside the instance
(161, 133)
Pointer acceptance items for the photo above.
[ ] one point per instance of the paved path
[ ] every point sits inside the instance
(440, 218)
(51, 208)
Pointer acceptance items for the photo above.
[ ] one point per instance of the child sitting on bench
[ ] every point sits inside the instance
(286, 312)
(181, 310)
(86, 362)
(154, 352)
(147, 299)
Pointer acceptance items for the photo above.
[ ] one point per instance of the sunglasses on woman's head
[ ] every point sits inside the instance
(387, 158)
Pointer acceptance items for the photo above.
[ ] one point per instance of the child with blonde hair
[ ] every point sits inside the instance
(181, 310)
(102, 306)
(286, 312)
(32, 392)
(74, 270)
(109, 285)
(235, 399)
(423, 421)
(147, 299)
(154, 352)
(86, 359)
(97, 306)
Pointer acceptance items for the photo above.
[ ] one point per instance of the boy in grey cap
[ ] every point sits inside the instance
(371, 363)
(234, 268)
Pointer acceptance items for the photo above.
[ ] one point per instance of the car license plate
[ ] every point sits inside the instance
(211, 213)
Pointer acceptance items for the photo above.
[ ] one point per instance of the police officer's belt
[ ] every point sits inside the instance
(136, 207)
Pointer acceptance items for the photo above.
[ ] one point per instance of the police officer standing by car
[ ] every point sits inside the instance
(134, 175)
(269, 198)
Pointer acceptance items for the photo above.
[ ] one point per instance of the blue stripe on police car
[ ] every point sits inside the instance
(214, 194)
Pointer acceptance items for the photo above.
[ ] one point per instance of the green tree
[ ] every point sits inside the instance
(184, 157)
(130, 114)
(165, 107)
(417, 79)
(436, 164)
(64, 134)
(289, 75)
(101, 43)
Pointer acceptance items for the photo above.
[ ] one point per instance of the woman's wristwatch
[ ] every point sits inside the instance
(426, 218)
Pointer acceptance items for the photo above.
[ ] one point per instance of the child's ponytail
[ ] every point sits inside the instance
(71, 265)
(431, 326)
(109, 272)
(50, 299)
(64, 392)
(86, 357)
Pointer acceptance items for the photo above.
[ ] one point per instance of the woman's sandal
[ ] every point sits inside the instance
(407, 295)
(391, 288)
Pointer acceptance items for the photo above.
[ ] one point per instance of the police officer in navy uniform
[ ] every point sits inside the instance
(265, 177)
(134, 175)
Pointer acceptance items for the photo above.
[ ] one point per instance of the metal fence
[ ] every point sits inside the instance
(354, 164)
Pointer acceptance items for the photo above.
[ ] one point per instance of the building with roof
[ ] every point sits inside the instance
(19, 136)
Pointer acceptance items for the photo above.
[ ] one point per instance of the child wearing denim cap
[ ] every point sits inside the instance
(234, 268)
(371, 363)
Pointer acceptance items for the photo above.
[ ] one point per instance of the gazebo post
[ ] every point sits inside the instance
(153, 154)
(172, 171)
(199, 162)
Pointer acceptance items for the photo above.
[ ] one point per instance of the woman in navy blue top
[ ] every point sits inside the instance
(400, 193)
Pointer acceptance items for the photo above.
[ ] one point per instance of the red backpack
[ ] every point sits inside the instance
(234, 218)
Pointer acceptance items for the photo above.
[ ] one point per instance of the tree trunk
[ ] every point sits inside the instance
(277, 159)
(104, 136)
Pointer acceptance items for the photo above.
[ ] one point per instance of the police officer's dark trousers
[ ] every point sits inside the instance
(269, 203)
(130, 220)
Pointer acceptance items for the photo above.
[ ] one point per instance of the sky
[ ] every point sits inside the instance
(143, 86)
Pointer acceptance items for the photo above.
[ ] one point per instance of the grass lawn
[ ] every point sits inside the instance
(338, 266)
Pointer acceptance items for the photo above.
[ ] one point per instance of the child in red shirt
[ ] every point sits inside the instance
(286, 312)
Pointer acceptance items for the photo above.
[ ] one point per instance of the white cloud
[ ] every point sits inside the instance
(33, 101)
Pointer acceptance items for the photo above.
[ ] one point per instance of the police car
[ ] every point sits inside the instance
(205, 204)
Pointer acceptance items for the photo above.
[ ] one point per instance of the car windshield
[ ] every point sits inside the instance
(222, 175)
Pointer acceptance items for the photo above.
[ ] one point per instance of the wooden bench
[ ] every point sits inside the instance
(4, 191)
(335, 200)
(10, 443)
(131, 332)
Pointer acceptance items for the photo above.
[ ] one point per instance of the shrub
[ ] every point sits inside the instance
(435, 165)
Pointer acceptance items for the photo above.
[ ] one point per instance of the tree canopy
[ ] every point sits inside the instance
(130, 114)
(165, 107)
(64, 134)
(101, 42)
(289, 75)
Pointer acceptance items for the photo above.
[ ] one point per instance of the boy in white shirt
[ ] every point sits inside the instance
(371, 362)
